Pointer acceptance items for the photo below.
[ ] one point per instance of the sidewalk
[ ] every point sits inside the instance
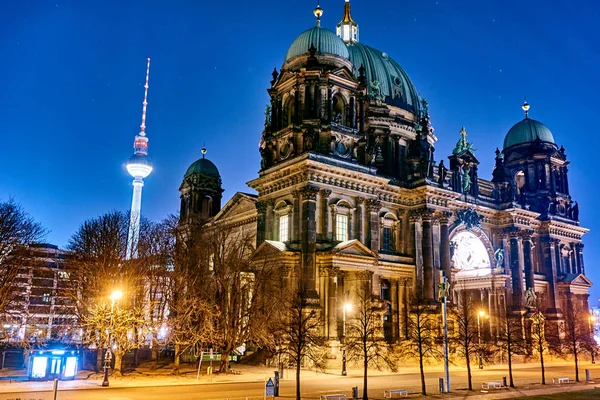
(15, 380)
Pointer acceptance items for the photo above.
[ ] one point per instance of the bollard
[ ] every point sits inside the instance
(504, 382)
(55, 388)
(588, 375)
(276, 388)
(355, 392)
(441, 385)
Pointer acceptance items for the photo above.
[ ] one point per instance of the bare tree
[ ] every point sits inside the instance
(192, 312)
(98, 267)
(365, 340)
(538, 339)
(300, 331)
(423, 334)
(243, 289)
(577, 334)
(18, 231)
(510, 338)
(465, 338)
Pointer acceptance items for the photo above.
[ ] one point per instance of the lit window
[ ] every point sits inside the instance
(341, 227)
(46, 298)
(284, 225)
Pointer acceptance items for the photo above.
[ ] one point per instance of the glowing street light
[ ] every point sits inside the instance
(480, 315)
(115, 296)
(346, 307)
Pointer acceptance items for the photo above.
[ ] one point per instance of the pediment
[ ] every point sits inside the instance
(344, 73)
(576, 279)
(353, 247)
(270, 248)
(240, 203)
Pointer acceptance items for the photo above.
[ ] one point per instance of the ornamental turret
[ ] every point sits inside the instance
(347, 29)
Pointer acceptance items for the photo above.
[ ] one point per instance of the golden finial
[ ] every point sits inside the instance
(318, 13)
(203, 151)
(526, 108)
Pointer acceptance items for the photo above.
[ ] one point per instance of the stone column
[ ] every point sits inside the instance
(324, 214)
(330, 221)
(309, 237)
(329, 104)
(445, 246)
(428, 280)
(580, 257)
(261, 208)
(295, 217)
(550, 262)
(332, 306)
(353, 112)
(362, 220)
(527, 264)
(395, 315)
(373, 207)
(516, 270)
(270, 221)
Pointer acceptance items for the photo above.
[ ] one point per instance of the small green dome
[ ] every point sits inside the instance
(395, 86)
(324, 40)
(203, 166)
(527, 131)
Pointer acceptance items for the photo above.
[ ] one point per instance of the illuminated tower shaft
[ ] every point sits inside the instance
(138, 166)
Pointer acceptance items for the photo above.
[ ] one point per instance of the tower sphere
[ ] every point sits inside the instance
(139, 165)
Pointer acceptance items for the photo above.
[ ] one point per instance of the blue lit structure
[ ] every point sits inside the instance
(49, 364)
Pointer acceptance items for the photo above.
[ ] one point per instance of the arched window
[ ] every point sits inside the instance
(283, 212)
(388, 232)
(289, 110)
(339, 110)
(342, 217)
(206, 207)
(471, 258)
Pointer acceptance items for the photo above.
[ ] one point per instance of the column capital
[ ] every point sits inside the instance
(325, 192)
(444, 217)
(261, 207)
(270, 202)
(373, 205)
(297, 193)
(525, 235)
(309, 193)
(512, 232)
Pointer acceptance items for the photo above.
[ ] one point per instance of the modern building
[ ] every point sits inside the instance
(349, 183)
(38, 310)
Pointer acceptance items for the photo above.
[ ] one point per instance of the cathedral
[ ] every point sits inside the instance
(348, 183)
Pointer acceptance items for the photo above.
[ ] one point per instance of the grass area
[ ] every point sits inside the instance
(580, 395)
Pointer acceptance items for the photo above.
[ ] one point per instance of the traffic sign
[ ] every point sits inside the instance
(270, 388)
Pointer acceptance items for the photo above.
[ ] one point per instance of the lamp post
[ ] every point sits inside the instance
(114, 296)
(591, 321)
(346, 307)
(480, 315)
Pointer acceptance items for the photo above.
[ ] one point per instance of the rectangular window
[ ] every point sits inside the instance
(284, 228)
(386, 240)
(341, 227)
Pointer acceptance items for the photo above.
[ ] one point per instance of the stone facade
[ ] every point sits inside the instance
(349, 183)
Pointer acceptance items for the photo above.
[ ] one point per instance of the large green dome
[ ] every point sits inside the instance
(324, 40)
(527, 131)
(395, 86)
(203, 166)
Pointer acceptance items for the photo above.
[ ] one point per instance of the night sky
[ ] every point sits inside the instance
(72, 76)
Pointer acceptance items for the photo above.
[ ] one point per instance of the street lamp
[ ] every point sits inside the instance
(480, 315)
(346, 307)
(114, 296)
(591, 320)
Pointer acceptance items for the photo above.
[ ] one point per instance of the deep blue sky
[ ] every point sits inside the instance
(72, 76)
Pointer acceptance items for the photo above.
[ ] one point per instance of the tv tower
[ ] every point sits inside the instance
(138, 166)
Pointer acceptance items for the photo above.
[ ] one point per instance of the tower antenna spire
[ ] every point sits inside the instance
(139, 167)
(145, 103)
